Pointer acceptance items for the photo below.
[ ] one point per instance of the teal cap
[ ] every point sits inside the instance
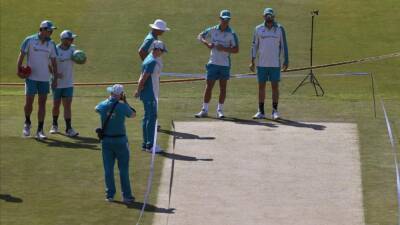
(225, 14)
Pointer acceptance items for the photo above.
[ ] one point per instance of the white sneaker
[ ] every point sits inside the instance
(156, 150)
(275, 114)
(40, 135)
(109, 199)
(53, 129)
(220, 114)
(259, 115)
(203, 113)
(71, 133)
(27, 130)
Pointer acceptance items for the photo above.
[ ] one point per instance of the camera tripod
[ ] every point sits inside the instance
(312, 78)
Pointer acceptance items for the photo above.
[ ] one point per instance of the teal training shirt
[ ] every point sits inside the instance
(116, 124)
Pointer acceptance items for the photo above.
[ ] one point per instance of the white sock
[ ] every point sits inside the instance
(205, 107)
(220, 107)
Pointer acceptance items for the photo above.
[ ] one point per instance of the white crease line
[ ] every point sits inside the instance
(389, 129)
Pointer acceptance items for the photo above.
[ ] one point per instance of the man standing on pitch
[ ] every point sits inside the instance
(148, 90)
(114, 143)
(65, 84)
(38, 48)
(269, 43)
(222, 41)
(158, 28)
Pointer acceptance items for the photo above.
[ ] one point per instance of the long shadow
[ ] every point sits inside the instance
(148, 208)
(83, 139)
(300, 124)
(182, 157)
(67, 144)
(10, 198)
(246, 122)
(181, 135)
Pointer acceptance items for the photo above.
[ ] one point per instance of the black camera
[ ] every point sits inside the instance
(100, 133)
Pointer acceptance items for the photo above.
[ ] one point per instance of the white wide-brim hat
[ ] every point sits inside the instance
(159, 25)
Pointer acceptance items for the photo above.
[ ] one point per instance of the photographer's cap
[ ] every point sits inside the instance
(67, 34)
(269, 11)
(47, 24)
(116, 89)
(157, 44)
(225, 14)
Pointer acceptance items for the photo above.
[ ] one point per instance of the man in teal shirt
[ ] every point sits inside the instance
(115, 144)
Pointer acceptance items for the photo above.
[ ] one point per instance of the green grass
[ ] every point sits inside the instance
(60, 181)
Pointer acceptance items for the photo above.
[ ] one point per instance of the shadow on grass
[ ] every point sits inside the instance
(10, 198)
(300, 124)
(181, 157)
(76, 142)
(181, 135)
(149, 208)
(246, 122)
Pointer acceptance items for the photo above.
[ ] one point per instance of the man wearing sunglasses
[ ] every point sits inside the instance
(38, 49)
(222, 41)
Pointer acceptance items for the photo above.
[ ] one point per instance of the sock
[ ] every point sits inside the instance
(220, 107)
(28, 119)
(55, 122)
(275, 105)
(261, 107)
(40, 126)
(205, 107)
(68, 123)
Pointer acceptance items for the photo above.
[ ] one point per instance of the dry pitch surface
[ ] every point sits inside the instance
(244, 172)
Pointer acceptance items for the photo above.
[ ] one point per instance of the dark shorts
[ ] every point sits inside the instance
(216, 72)
(265, 74)
(33, 87)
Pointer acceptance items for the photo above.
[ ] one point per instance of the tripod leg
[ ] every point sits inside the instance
(319, 86)
(301, 84)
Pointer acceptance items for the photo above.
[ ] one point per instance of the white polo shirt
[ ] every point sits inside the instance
(270, 45)
(65, 66)
(38, 56)
(227, 38)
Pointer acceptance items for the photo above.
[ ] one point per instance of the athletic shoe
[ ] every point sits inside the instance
(71, 133)
(109, 199)
(129, 200)
(27, 130)
(40, 135)
(54, 129)
(259, 115)
(203, 113)
(220, 114)
(157, 150)
(275, 114)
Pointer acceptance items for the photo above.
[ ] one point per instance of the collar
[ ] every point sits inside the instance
(274, 25)
(228, 29)
(37, 36)
(153, 35)
(112, 99)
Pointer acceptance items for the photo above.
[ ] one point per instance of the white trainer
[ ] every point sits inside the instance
(259, 115)
(71, 133)
(156, 150)
(40, 135)
(27, 130)
(220, 114)
(275, 114)
(203, 113)
(53, 129)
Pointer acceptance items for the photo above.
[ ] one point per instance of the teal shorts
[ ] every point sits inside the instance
(265, 74)
(33, 87)
(216, 72)
(59, 93)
